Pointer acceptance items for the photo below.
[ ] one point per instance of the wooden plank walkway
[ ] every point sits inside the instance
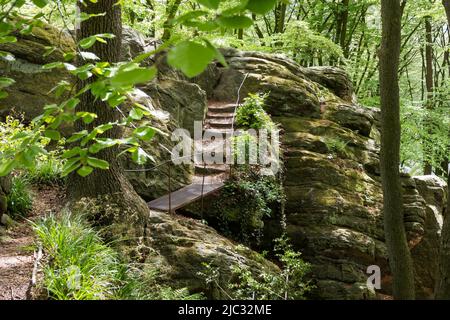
(183, 196)
(219, 118)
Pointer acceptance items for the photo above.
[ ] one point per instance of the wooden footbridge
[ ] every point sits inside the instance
(208, 178)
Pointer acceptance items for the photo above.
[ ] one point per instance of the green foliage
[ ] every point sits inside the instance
(425, 136)
(336, 145)
(79, 266)
(20, 200)
(251, 284)
(290, 284)
(245, 201)
(251, 114)
(48, 170)
(111, 83)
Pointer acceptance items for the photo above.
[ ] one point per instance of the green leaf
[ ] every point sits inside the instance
(87, 42)
(40, 3)
(3, 94)
(261, 6)
(70, 166)
(7, 166)
(219, 55)
(132, 77)
(52, 134)
(84, 171)
(144, 133)
(211, 4)
(7, 39)
(235, 22)
(87, 117)
(53, 65)
(102, 144)
(77, 136)
(98, 163)
(190, 57)
(190, 15)
(136, 114)
(140, 156)
(6, 82)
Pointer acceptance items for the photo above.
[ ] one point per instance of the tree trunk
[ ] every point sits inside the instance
(112, 199)
(446, 4)
(171, 12)
(280, 17)
(428, 81)
(399, 255)
(443, 283)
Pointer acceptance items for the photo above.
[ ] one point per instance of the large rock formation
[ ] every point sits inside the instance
(183, 246)
(331, 156)
(332, 180)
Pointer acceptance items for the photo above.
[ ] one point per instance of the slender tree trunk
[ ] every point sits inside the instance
(280, 17)
(443, 283)
(429, 76)
(446, 4)
(117, 201)
(396, 242)
(151, 6)
(171, 12)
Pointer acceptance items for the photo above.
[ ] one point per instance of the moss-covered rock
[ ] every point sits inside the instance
(182, 246)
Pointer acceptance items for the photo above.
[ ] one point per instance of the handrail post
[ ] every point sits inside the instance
(203, 185)
(170, 189)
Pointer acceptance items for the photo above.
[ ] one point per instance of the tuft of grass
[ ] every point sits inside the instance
(48, 170)
(80, 266)
(20, 200)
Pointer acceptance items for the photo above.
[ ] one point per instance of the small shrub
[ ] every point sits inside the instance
(20, 200)
(246, 200)
(251, 115)
(289, 284)
(336, 145)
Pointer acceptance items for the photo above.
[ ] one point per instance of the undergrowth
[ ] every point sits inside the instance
(78, 265)
(20, 199)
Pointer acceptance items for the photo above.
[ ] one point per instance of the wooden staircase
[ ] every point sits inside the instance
(208, 178)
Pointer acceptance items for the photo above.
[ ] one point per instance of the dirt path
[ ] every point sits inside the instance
(16, 251)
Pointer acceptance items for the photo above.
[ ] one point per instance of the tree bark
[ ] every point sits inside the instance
(171, 12)
(429, 76)
(446, 4)
(117, 201)
(399, 255)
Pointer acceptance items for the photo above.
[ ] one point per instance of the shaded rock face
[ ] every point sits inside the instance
(5, 189)
(332, 179)
(182, 246)
(31, 90)
(434, 192)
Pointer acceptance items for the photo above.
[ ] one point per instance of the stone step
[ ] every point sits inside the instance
(218, 114)
(224, 108)
(219, 125)
(219, 120)
(218, 131)
(211, 168)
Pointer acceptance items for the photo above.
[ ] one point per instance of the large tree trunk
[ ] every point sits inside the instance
(399, 255)
(106, 194)
(429, 78)
(443, 283)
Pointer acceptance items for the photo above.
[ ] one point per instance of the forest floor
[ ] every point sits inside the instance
(16, 247)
